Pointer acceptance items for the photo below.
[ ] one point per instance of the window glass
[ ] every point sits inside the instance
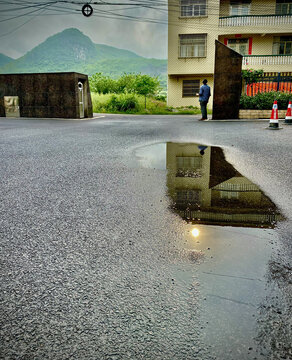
(188, 166)
(192, 45)
(282, 45)
(238, 8)
(239, 45)
(284, 7)
(190, 88)
(188, 196)
(193, 7)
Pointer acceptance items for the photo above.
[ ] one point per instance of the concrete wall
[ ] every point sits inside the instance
(227, 83)
(48, 95)
(260, 114)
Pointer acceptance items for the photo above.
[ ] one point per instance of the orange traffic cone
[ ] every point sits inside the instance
(288, 118)
(274, 121)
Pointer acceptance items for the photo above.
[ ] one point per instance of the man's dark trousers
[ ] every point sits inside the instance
(204, 109)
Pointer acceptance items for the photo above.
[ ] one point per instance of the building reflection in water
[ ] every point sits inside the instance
(206, 189)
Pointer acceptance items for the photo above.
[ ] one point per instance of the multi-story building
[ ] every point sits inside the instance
(261, 30)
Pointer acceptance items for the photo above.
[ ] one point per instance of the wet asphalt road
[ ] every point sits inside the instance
(88, 242)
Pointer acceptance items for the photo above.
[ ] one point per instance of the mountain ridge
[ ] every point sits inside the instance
(71, 50)
(4, 59)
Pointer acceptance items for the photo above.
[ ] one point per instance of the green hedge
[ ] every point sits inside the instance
(264, 101)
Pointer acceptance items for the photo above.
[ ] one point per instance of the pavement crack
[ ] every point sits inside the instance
(232, 276)
(232, 300)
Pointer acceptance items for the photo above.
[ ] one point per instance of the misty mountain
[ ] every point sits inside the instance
(71, 50)
(4, 59)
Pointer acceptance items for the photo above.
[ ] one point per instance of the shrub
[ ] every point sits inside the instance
(160, 97)
(264, 101)
(123, 103)
(252, 76)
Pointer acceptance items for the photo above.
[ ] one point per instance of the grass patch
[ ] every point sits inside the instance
(135, 104)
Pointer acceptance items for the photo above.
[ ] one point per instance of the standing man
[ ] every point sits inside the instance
(204, 94)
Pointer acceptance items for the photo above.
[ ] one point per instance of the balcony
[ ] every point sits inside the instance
(254, 60)
(255, 20)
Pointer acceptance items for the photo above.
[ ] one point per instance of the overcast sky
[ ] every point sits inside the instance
(19, 35)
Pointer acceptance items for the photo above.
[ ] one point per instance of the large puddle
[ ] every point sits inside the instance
(230, 222)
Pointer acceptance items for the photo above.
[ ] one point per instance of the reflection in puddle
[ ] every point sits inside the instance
(230, 222)
(206, 189)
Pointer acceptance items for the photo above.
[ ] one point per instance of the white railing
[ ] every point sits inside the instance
(236, 187)
(252, 60)
(255, 20)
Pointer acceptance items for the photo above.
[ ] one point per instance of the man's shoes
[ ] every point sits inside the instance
(202, 119)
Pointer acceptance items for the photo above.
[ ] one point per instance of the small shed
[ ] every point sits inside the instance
(45, 95)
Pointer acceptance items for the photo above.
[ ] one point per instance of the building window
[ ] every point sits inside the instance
(192, 45)
(186, 197)
(189, 166)
(190, 88)
(239, 45)
(189, 8)
(282, 45)
(240, 7)
(230, 195)
(284, 7)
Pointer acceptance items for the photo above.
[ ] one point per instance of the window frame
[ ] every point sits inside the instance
(196, 86)
(238, 41)
(240, 5)
(188, 196)
(280, 5)
(193, 6)
(278, 41)
(188, 46)
(189, 166)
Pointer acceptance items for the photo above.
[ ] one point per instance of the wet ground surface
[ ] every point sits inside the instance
(105, 257)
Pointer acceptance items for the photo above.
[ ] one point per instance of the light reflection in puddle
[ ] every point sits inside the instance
(230, 222)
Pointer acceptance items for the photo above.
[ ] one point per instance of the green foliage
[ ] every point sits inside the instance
(103, 103)
(252, 76)
(102, 84)
(123, 103)
(127, 83)
(161, 97)
(264, 101)
(146, 85)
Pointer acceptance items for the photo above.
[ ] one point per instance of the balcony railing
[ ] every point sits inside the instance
(251, 60)
(255, 20)
(236, 187)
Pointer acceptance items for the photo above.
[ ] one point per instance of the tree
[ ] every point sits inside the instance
(102, 84)
(126, 83)
(146, 85)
